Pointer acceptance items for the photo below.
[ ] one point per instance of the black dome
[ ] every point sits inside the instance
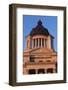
(39, 30)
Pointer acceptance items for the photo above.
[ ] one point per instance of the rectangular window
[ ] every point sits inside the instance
(32, 71)
(32, 58)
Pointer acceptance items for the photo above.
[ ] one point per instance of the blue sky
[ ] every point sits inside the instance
(49, 22)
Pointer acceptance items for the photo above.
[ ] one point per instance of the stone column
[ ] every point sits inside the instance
(41, 42)
(49, 42)
(44, 43)
(38, 42)
(28, 41)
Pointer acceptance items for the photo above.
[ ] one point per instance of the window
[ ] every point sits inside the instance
(50, 70)
(41, 71)
(40, 61)
(48, 60)
(32, 58)
(32, 71)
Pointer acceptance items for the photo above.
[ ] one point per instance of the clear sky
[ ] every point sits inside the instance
(49, 22)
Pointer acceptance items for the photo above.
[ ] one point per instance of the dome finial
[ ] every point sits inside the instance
(39, 22)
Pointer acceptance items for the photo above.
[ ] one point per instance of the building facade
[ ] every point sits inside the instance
(39, 56)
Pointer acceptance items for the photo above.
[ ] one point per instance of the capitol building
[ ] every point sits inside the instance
(39, 57)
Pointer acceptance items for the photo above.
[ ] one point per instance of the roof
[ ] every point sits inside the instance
(39, 30)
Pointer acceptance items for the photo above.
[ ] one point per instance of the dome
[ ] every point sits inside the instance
(39, 30)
